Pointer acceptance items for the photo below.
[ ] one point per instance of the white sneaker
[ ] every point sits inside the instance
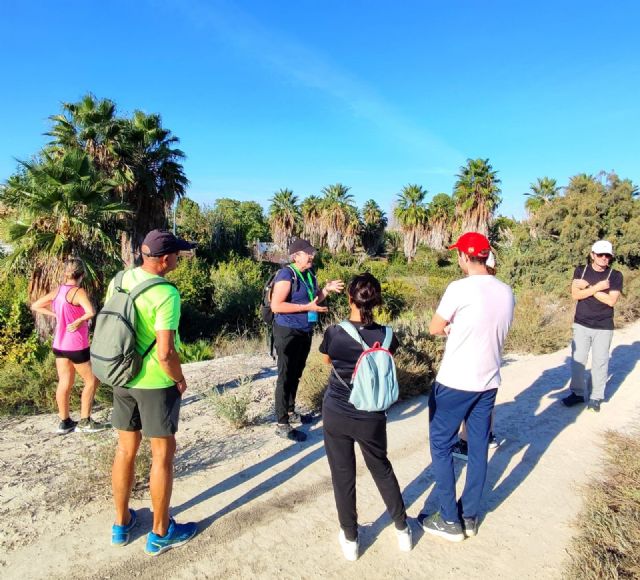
(349, 548)
(405, 538)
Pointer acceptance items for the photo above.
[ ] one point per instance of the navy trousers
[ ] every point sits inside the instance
(447, 409)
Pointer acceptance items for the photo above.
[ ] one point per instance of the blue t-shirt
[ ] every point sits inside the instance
(298, 295)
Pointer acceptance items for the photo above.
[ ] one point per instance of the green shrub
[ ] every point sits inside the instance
(418, 357)
(232, 404)
(196, 351)
(192, 277)
(237, 292)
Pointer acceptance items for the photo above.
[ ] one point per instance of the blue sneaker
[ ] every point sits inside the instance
(120, 534)
(177, 535)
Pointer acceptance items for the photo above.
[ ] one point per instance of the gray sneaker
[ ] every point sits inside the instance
(90, 426)
(436, 526)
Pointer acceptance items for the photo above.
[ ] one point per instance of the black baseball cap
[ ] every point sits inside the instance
(301, 245)
(162, 242)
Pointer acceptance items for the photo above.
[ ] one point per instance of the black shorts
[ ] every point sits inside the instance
(155, 412)
(77, 357)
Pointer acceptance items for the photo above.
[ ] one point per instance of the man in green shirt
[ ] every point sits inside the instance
(150, 403)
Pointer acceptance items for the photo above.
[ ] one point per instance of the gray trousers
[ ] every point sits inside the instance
(599, 342)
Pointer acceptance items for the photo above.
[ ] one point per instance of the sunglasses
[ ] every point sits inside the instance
(608, 256)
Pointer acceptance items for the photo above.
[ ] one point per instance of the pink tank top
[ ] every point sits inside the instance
(66, 313)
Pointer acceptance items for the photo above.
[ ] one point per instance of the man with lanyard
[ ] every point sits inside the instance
(295, 303)
(597, 288)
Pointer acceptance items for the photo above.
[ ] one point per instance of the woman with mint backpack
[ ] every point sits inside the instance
(344, 424)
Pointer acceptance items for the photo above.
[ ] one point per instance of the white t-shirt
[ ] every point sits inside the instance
(480, 310)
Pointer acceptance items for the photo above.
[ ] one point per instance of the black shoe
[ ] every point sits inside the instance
(470, 526)
(594, 405)
(572, 400)
(300, 419)
(493, 441)
(436, 526)
(460, 450)
(286, 431)
(66, 426)
(91, 426)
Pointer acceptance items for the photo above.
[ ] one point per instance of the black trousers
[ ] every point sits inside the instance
(340, 435)
(292, 348)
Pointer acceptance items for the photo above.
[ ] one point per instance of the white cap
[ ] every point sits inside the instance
(491, 260)
(602, 247)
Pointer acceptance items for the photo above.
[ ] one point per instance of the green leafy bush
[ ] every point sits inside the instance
(196, 351)
(313, 382)
(237, 292)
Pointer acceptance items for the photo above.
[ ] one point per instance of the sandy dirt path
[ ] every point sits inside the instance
(268, 511)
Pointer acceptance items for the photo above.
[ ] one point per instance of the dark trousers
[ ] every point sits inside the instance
(447, 409)
(340, 434)
(292, 348)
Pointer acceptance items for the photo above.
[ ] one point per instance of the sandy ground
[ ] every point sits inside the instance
(265, 506)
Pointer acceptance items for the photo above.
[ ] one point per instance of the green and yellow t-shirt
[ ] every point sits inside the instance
(158, 308)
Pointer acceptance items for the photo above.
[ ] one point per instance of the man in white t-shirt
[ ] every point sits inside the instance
(475, 314)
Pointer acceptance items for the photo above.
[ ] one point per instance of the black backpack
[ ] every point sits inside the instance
(265, 308)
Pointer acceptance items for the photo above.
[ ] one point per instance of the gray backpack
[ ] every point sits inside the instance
(114, 359)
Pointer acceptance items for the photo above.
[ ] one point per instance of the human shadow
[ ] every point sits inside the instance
(623, 360)
(531, 433)
(314, 436)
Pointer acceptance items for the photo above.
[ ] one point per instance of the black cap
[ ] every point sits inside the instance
(301, 245)
(162, 242)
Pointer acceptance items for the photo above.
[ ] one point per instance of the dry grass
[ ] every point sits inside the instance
(93, 480)
(608, 540)
(232, 404)
(541, 323)
(313, 382)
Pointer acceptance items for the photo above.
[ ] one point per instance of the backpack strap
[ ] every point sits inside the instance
(388, 337)
(117, 283)
(352, 331)
(335, 372)
(145, 285)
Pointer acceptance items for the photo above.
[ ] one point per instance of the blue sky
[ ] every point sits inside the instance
(372, 94)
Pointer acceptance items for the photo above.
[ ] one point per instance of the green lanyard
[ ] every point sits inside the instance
(308, 283)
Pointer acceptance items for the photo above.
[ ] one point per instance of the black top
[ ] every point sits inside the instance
(344, 353)
(590, 312)
(298, 295)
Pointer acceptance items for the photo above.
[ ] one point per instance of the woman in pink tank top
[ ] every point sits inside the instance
(72, 309)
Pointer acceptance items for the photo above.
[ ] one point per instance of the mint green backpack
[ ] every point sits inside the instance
(374, 384)
(114, 358)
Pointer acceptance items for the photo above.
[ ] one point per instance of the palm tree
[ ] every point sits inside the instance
(543, 191)
(411, 213)
(476, 194)
(284, 217)
(62, 207)
(136, 153)
(374, 223)
(353, 227)
(311, 210)
(441, 216)
(338, 215)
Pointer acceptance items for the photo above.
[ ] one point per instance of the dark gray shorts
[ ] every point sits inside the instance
(154, 411)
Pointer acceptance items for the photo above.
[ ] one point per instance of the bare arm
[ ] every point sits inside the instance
(43, 305)
(580, 292)
(438, 325)
(279, 304)
(325, 359)
(609, 298)
(82, 299)
(169, 359)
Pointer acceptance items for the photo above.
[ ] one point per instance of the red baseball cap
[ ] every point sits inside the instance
(473, 244)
